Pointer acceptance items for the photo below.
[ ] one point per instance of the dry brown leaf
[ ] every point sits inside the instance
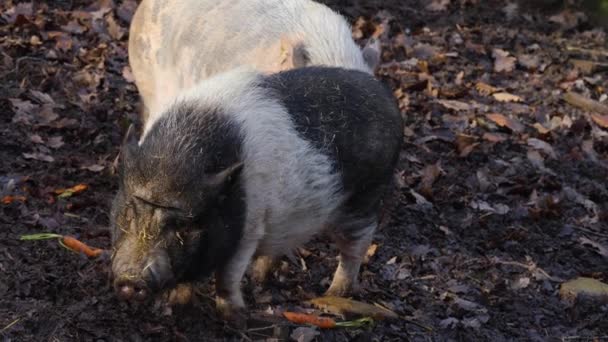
(581, 285)
(455, 105)
(495, 137)
(506, 97)
(502, 61)
(36, 139)
(55, 142)
(114, 29)
(429, 175)
(39, 156)
(438, 5)
(344, 306)
(542, 146)
(93, 168)
(603, 250)
(541, 129)
(504, 121)
(465, 144)
(601, 120)
(585, 104)
(485, 89)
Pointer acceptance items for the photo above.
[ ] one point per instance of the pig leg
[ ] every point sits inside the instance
(261, 267)
(229, 298)
(352, 244)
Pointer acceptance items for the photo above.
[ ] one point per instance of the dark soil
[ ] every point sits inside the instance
(484, 224)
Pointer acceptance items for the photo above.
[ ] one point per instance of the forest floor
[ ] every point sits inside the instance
(501, 192)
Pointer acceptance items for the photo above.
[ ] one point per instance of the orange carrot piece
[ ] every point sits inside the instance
(80, 247)
(302, 318)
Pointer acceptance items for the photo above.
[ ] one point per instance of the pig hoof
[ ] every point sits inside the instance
(234, 314)
(182, 294)
(341, 290)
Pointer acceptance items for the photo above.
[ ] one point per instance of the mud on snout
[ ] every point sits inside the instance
(140, 277)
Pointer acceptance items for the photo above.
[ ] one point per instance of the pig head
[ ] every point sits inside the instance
(170, 206)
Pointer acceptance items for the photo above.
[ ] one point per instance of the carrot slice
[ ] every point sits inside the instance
(302, 318)
(80, 247)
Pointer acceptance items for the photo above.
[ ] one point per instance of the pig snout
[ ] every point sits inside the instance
(142, 282)
(131, 289)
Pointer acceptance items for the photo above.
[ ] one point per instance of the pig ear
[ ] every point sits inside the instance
(299, 55)
(128, 141)
(296, 54)
(371, 53)
(223, 180)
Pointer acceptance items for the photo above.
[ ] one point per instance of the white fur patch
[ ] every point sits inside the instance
(178, 43)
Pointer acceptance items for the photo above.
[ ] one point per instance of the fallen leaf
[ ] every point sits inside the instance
(520, 283)
(600, 120)
(39, 156)
(429, 175)
(450, 322)
(114, 29)
(465, 144)
(55, 142)
(502, 61)
(568, 19)
(74, 27)
(438, 5)
(455, 105)
(42, 97)
(504, 121)
(344, 306)
(601, 249)
(529, 61)
(536, 159)
(585, 104)
(581, 285)
(495, 137)
(93, 168)
(126, 10)
(542, 146)
(424, 51)
(36, 139)
(10, 199)
(541, 129)
(485, 89)
(304, 334)
(506, 97)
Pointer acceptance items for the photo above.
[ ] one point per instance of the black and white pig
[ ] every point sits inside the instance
(249, 165)
(174, 44)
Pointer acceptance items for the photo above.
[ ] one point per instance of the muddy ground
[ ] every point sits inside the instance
(500, 196)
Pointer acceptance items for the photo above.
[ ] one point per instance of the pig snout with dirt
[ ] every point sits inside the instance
(247, 165)
(174, 44)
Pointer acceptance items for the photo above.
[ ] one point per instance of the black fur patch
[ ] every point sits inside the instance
(174, 163)
(351, 117)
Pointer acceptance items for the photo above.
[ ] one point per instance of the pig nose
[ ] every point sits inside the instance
(130, 290)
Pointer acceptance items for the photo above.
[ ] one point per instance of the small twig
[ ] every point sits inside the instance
(10, 324)
(409, 321)
(530, 268)
(589, 51)
(592, 232)
(272, 326)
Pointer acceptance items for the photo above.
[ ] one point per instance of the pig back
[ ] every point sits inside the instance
(176, 43)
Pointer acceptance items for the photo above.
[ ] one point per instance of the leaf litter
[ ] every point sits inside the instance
(501, 186)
